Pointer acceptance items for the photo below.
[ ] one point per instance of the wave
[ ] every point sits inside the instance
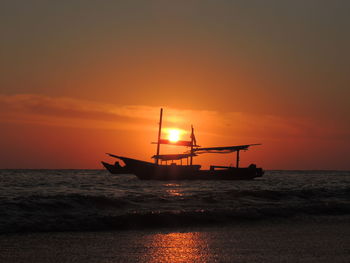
(79, 212)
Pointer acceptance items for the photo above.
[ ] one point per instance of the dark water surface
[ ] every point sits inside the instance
(89, 200)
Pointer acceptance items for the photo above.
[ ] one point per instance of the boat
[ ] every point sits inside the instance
(161, 169)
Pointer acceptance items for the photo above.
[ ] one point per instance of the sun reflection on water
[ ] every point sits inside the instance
(177, 247)
(173, 189)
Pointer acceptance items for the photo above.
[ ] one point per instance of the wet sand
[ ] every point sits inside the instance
(293, 241)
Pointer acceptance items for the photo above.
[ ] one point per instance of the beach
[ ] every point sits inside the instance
(322, 239)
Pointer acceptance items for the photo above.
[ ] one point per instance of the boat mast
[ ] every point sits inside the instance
(192, 141)
(159, 134)
(237, 159)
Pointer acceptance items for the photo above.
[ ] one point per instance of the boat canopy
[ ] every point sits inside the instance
(171, 157)
(225, 149)
(178, 143)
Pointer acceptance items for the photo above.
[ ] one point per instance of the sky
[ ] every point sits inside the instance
(81, 78)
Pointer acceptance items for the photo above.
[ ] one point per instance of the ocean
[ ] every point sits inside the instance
(93, 200)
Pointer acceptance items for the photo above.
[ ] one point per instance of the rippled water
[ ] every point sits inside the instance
(60, 200)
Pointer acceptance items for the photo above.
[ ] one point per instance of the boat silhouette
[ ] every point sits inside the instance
(161, 170)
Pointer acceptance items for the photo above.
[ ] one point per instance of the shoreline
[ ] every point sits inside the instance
(312, 240)
(178, 224)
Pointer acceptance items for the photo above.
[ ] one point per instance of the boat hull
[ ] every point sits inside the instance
(150, 171)
(114, 169)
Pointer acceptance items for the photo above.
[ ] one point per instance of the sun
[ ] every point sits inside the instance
(173, 135)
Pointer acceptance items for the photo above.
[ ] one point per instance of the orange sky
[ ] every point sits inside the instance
(84, 78)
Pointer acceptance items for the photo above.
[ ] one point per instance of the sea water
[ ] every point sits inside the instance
(91, 200)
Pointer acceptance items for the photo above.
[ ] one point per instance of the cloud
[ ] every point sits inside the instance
(62, 111)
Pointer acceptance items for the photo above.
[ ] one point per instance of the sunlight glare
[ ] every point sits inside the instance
(173, 135)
